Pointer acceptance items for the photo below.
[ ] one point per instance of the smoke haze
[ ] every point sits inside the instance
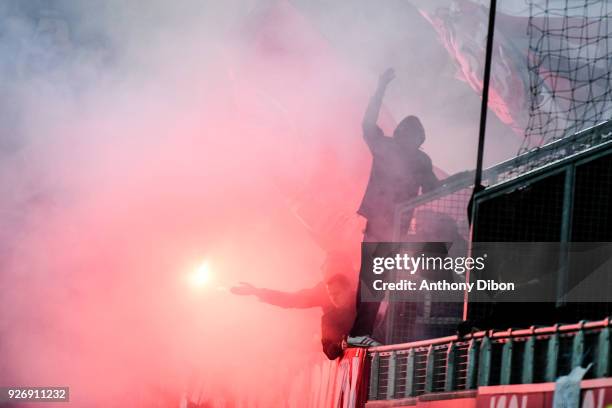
(139, 141)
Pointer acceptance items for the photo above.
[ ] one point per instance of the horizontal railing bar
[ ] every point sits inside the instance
(533, 331)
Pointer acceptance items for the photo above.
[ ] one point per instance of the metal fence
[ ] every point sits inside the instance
(452, 198)
(526, 356)
(542, 218)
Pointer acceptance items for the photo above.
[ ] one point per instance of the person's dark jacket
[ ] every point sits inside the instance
(335, 322)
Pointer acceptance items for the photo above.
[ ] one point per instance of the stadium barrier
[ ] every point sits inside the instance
(453, 196)
(453, 367)
(566, 159)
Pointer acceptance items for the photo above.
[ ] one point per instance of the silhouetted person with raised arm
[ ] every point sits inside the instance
(400, 170)
(334, 295)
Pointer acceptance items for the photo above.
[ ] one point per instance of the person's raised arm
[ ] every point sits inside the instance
(302, 299)
(371, 131)
(373, 110)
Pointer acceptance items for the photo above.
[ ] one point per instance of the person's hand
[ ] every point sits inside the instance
(386, 77)
(244, 289)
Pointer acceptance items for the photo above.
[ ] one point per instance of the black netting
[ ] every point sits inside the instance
(569, 63)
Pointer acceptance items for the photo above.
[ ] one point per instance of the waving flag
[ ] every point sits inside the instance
(550, 60)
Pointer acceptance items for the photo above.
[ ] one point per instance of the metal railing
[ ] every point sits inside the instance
(452, 197)
(486, 358)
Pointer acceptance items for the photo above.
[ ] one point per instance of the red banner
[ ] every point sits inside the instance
(594, 394)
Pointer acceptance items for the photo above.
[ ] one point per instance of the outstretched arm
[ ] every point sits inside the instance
(371, 131)
(302, 299)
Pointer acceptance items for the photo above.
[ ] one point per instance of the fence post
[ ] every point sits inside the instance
(373, 392)
(429, 369)
(470, 381)
(527, 374)
(484, 363)
(551, 356)
(602, 359)
(450, 368)
(409, 391)
(391, 375)
(506, 364)
(578, 346)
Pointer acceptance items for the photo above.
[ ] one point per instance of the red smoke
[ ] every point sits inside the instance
(143, 180)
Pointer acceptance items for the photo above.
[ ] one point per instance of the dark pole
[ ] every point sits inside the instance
(481, 134)
(485, 97)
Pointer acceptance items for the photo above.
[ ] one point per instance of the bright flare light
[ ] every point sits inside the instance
(200, 276)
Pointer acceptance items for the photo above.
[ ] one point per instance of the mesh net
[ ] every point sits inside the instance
(440, 215)
(569, 63)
